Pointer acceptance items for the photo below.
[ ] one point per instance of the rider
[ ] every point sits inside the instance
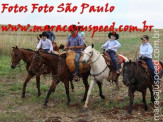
(51, 36)
(45, 43)
(111, 47)
(145, 54)
(75, 43)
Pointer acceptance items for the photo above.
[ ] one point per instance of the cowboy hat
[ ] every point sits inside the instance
(145, 36)
(114, 34)
(44, 34)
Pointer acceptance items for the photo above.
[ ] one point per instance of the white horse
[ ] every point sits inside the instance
(99, 69)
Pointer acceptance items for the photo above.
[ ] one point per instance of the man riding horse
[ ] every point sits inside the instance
(45, 43)
(111, 47)
(145, 54)
(75, 42)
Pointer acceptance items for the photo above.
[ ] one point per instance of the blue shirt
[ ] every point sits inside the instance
(75, 41)
(51, 36)
(112, 45)
(146, 50)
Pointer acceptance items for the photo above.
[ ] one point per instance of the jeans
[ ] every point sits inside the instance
(77, 58)
(150, 65)
(46, 50)
(113, 58)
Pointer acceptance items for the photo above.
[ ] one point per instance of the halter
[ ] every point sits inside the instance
(18, 63)
(94, 62)
(90, 56)
(133, 79)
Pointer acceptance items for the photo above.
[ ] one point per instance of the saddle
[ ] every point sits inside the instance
(83, 68)
(109, 61)
(144, 65)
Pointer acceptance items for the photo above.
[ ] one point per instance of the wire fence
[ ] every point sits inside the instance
(130, 41)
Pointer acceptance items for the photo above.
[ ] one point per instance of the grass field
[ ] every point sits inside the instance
(15, 109)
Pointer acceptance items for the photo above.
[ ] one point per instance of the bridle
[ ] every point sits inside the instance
(90, 56)
(18, 61)
(133, 78)
(20, 56)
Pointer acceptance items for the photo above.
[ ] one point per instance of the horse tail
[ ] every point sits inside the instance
(161, 72)
(161, 63)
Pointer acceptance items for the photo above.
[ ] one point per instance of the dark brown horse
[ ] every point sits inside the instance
(26, 55)
(60, 72)
(136, 78)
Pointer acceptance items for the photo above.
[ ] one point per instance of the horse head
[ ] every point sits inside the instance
(128, 73)
(16, 57)
(88, 53)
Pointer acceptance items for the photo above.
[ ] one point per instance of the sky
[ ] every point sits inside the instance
(126, 12)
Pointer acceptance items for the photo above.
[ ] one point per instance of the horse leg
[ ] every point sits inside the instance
(72, 86)
(51, 89)
(117, 88)
(131, 101)
(38, 85)
(144, 100)
(100, 90)
(25, 84)
(152, 97)
(89, 92)
(85, 81)
(66, 83)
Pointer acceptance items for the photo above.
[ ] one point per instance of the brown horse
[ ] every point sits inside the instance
(137, 79)
(26, 55)
(60, 72)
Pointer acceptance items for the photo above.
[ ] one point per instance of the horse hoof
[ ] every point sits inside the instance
(23, 96)
(68, 103)
(85, 109)
(128, 113)
(146, 109)
(73, 90)
(44, 106)
(103, 97)
(38, 95)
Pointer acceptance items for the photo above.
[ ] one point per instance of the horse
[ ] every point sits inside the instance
(60, 72)
(136, 78)
(99, 69)
(26, 55)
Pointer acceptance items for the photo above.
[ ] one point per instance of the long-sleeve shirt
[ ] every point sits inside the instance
(45, 44)
(51, 36)
(112, 45)
(146, 50)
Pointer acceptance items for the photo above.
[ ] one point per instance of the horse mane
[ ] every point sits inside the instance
(27, 49)
(53, 54)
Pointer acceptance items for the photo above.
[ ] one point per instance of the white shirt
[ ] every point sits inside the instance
(146, 50)
(113, 45)
(45, 44)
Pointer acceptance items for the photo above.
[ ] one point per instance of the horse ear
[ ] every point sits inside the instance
(16, 47)
(130, 61)
(92, 45)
